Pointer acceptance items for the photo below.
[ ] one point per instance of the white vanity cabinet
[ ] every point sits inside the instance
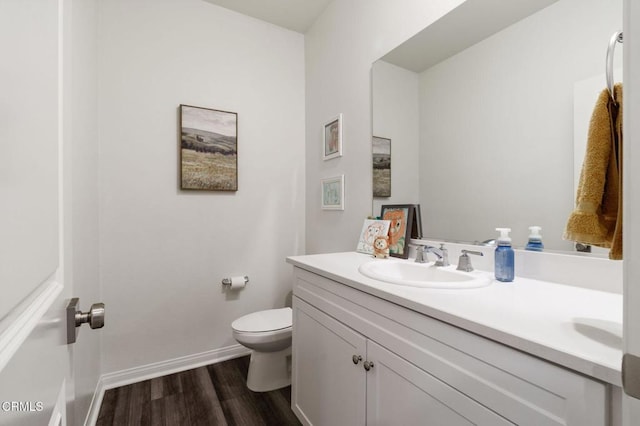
(421, 370)
(335, 379)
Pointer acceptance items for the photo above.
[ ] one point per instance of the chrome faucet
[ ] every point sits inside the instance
(464, 262)
(442, 253)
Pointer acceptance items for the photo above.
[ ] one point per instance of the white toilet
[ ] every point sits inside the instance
(268, 334)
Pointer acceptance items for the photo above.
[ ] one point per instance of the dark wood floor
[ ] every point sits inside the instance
(212, 395)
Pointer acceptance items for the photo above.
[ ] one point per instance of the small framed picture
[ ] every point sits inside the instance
(333, 193)
(371, 230)
(381, 148)
(332, 138)
(402, 218)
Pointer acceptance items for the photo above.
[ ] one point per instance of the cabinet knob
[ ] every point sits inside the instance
(356, 359)
(368, 365)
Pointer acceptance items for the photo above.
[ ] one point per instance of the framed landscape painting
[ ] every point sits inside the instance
(208, 149)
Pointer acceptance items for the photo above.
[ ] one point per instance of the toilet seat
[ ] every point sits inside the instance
(264, 321)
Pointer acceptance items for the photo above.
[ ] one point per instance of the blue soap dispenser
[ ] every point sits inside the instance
(504, 257)
(535, 239)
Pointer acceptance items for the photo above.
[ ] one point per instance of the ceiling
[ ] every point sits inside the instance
(296, 15)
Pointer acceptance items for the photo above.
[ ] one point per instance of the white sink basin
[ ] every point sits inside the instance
(424, 275)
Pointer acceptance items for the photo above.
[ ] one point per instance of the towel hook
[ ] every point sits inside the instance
(615, 38)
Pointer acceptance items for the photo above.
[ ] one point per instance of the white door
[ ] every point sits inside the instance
(328, 384)
(37, 367)
(34, 357)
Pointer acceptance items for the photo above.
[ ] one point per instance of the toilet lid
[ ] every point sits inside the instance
(269, 320)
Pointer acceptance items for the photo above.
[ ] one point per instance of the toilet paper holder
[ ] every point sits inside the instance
(226, 282)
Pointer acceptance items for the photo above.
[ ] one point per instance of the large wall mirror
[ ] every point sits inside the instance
(480, 114)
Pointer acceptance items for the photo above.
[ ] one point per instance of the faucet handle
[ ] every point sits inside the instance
(464, 262)
(421, 255)
(443, 260)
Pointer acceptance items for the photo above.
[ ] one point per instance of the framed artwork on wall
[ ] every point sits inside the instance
(332, 138)
(333, 193)
(208, 149)
(402, 219)
(381, 149)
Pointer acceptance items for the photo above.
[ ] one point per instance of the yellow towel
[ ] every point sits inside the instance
(597, 218)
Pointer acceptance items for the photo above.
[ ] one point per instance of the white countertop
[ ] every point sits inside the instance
(578, 328)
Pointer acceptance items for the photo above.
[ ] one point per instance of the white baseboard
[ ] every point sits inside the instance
(157, 369)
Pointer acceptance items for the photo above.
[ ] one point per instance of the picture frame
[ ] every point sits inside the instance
(332, 193)
(416, 230)
(402, 218)
(208, 149)
(371, 229)
(381, 154)
(332, 138)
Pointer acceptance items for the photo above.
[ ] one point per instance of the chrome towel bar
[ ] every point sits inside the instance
(615, 38)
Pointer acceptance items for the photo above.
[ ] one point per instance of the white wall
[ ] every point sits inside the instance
(500, 115)
(164, 251)
(396, 105)
(339, 50)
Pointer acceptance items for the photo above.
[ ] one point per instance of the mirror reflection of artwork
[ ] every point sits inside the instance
(371, 230)
(332, 137)
(208, 149)
(381, 167)
(401, 217)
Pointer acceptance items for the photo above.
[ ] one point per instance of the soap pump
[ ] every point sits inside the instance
(504, 257)
(535, 239)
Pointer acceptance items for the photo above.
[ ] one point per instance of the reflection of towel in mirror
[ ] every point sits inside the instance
(597, 218)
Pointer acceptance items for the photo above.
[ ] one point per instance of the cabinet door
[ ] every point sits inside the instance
(399, 393)
(328, 388)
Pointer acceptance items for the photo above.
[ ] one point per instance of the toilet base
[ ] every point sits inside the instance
(269, 370)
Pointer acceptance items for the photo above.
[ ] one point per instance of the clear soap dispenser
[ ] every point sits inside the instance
(535, 239)
(504, 257)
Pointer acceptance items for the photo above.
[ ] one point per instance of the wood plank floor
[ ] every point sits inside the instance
(216, 394)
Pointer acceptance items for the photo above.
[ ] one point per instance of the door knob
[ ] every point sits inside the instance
(356, 359)
(95, 316)
(368, 365)
(75, 318)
